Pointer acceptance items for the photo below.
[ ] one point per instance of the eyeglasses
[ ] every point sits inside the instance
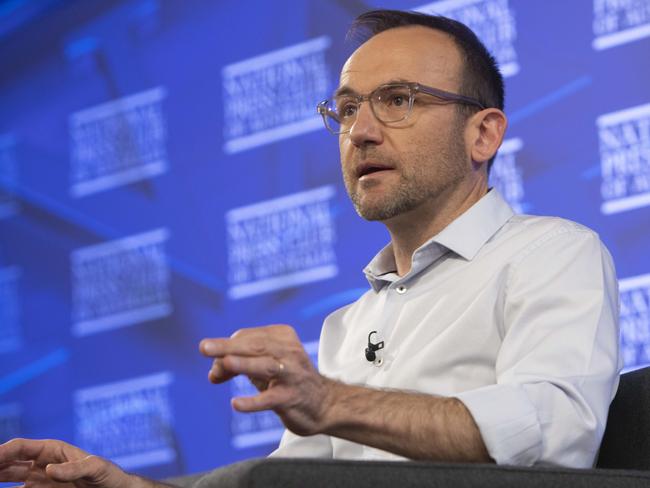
(390, 103)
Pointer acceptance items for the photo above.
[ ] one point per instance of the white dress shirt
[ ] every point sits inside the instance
(515, 315)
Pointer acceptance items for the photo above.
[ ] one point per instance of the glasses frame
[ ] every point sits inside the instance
(414, 88)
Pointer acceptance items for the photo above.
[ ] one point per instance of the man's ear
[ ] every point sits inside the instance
(487, 129)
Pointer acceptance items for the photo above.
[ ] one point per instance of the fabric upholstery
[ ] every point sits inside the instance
(626, 443)
(318, 473)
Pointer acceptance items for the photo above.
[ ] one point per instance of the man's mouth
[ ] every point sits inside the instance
(366, 169)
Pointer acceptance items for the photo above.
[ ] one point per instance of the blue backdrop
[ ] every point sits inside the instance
(164, 177)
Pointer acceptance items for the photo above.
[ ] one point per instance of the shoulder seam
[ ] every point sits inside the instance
(549, 236)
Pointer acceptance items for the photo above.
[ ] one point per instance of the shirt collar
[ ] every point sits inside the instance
(464, 236)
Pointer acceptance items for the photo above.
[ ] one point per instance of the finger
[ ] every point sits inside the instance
(40, 451)
(18, 471)
(25, 450)
(263, 368)
(249, 345)
(206, 348)
(266, 400)
(259, 341)
(218, 374)
(91, 468)
(13, 450)
(29, 464)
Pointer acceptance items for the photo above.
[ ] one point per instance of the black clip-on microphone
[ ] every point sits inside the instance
(370, 350)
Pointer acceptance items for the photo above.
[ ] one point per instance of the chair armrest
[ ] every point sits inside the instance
(318, 473)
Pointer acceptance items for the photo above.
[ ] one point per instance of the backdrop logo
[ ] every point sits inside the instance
(619, 22)
(281, 243)
(493, 21)
(506, 175)
(273, 96)
(259, 428)
(120, 283)
(8, 176)
(10, 330)
(635, 320)
(118, 142)
(10, 420)
(625, 159)
(129, 422)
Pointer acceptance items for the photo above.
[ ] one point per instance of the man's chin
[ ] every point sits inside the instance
(376, 213)
(379, 206)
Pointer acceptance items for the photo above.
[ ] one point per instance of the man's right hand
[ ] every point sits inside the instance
(50, 463)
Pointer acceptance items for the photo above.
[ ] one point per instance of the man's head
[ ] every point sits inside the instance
(480, 77)
(392, 167)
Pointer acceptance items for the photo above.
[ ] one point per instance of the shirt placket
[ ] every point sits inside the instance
(396, 294)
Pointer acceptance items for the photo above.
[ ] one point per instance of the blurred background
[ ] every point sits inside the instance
(164, 177)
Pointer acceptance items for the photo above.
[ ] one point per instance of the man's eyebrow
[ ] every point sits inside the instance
(346, 90)
(396, 80)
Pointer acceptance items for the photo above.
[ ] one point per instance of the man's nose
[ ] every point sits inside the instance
(367, 129)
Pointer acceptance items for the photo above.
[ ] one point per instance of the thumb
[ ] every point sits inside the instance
(91, 467)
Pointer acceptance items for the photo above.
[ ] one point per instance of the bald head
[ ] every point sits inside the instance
(411, 53)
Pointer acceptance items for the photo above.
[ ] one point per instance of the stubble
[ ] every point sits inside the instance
(426, 172)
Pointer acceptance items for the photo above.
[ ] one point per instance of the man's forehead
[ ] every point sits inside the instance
(413, 53)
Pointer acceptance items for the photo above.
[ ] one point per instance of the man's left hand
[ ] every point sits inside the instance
(277, 364)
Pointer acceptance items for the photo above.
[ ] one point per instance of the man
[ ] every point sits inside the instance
(488, 336)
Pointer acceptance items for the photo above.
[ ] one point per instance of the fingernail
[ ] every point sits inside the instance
(237, 403)
(209, 347)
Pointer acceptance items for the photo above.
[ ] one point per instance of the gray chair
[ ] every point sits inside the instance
(626, 443)
(624, 455)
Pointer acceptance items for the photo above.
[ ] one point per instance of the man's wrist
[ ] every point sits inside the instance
(331, 405)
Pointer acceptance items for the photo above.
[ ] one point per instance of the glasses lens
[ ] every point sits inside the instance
(344, 111)
(333, 120)
(391, 103)
(326, 110)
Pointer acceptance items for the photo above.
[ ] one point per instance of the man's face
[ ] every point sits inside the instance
(391, 169)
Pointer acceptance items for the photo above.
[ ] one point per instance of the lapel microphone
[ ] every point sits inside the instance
(372, 348)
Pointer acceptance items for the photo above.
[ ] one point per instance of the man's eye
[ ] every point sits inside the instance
(397, 100)
(347, 110)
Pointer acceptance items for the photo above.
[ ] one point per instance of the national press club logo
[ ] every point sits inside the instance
(618, 22)
(10, 328)
(120, 282)
(280, 243)
(493, 21)
(624, 141)
(118, 142)
(635, 321)
(273, 96)
(129, 422)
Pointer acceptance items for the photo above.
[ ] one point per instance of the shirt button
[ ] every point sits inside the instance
(401, 289)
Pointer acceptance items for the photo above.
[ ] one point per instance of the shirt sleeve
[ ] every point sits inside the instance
(557, 369)
(292, 445)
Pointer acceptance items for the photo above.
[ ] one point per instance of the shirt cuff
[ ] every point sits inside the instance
(295, 446)
(507, 421)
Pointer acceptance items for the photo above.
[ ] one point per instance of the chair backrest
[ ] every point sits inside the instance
(626, 443)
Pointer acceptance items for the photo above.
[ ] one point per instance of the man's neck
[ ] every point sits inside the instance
(410, 230)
